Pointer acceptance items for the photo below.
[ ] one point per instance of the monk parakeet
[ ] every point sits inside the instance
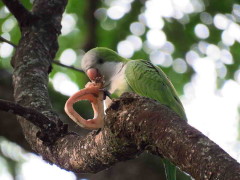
(139, 76)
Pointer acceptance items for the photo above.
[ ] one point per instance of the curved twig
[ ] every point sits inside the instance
(6, 41)
(31, 115)
(66, 66)
(54, 61)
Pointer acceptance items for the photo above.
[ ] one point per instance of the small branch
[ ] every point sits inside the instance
(6, 41)
(31, 115)
(69, 67)
(54, 61)
(50, 131)
(18, 10)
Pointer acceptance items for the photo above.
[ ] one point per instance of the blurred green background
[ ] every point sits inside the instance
(195, 42)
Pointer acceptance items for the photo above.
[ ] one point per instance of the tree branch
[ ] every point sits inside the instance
(6, 41)
(161, 131)
(31, 62)
(54, 61)
(18, 10)
(134, 124)
(66, 66)
(49, 130)
(32, 115)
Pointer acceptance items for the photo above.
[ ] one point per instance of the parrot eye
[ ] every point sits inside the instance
(100, 61)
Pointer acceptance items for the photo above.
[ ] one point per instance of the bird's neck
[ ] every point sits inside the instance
(112, 70)
(117, 83)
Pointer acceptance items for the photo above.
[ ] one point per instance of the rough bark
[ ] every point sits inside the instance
(133, 124)
(156, 128)
(32, 61)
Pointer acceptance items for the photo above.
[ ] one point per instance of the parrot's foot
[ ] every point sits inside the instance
(93, 84)
(106, 93)
(96, 132)
(95, 95)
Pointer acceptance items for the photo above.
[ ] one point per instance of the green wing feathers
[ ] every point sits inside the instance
(150, 81)
(170, 170)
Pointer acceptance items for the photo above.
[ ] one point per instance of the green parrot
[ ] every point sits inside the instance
(138, 76)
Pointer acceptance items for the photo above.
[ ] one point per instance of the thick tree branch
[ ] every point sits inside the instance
(18, 10)
(32, 61)
(135, 124)
(153, 126)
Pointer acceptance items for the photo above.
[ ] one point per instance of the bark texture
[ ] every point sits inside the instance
(156, 128)
(32, 61)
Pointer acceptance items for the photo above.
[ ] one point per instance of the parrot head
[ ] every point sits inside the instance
(102, 63)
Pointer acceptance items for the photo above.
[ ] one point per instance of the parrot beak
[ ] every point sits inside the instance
(93, 74)
(96, 77)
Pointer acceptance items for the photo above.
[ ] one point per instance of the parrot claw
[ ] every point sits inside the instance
(106, 93)
(96, 132)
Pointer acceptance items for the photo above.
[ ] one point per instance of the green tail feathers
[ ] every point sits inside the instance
(170, 169)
